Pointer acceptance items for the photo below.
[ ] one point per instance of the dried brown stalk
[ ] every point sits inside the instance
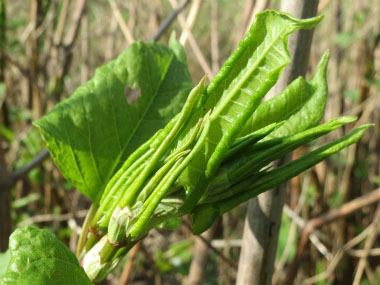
(324, 219)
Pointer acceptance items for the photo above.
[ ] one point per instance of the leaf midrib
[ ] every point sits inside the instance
(238, 86)
(117, 160)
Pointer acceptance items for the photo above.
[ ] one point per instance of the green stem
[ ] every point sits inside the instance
(83, 235)
(108, 252)
(91, 241)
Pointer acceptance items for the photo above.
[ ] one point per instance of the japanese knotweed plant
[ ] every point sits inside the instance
(147, 147)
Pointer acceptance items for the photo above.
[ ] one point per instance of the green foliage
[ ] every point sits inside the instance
(311, 195)
(171, 224)
(6, 133)
(37, 257)
(24, 201)
(177, 258)
(2, 90)
(150, 158)
(18, 114)
(352, 94)
(345, 39)
(336, 199)
(205, 214)
(4, 261)
(96, 129)
(236, 91)
(283, 237)
(320, 267)
(31, 145)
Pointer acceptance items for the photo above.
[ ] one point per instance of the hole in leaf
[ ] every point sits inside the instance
(132, 94)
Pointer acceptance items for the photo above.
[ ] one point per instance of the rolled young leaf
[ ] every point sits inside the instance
(280, 107)
(255, 158)
(301, 104)
(236, 91)
(312, 112)
(204, 215)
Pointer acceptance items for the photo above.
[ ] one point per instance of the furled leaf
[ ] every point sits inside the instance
(237, 90)
(312, 111)
(301, 105)
(91, 134)
(204, 215)
(37, 257)
(261, 154)
(273, 178)
(281, 107)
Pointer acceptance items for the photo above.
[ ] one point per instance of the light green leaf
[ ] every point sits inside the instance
(312, 111)
(2, 89)
(301, 105)
(91, 134)
(204, 215)
(237, 90)
(281, 107)
(38, 257)
(4, 260)
(261, 154)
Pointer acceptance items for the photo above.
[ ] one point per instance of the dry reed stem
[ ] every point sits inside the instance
(337, 257)
(367, 246)
(190, 20)
(120, 20)
(125, 276)
(194, 46)
(51, 217)
(324, 219)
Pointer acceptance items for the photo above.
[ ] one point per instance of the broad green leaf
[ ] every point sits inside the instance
(38, 257)
(236, 91)
(91, 134)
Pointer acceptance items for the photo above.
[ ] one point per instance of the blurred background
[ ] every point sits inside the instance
(48, 48)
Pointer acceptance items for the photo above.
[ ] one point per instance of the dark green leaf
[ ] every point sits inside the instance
(38, 257)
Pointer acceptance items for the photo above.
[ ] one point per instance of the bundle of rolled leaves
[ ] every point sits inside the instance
(171, 149)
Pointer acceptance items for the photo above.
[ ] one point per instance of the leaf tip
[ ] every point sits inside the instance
(203, 217)
(324, 59)
(366, 126)
(202, 82)
(307, 24)
(357, 133)
(348, 119)
(321, 68)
